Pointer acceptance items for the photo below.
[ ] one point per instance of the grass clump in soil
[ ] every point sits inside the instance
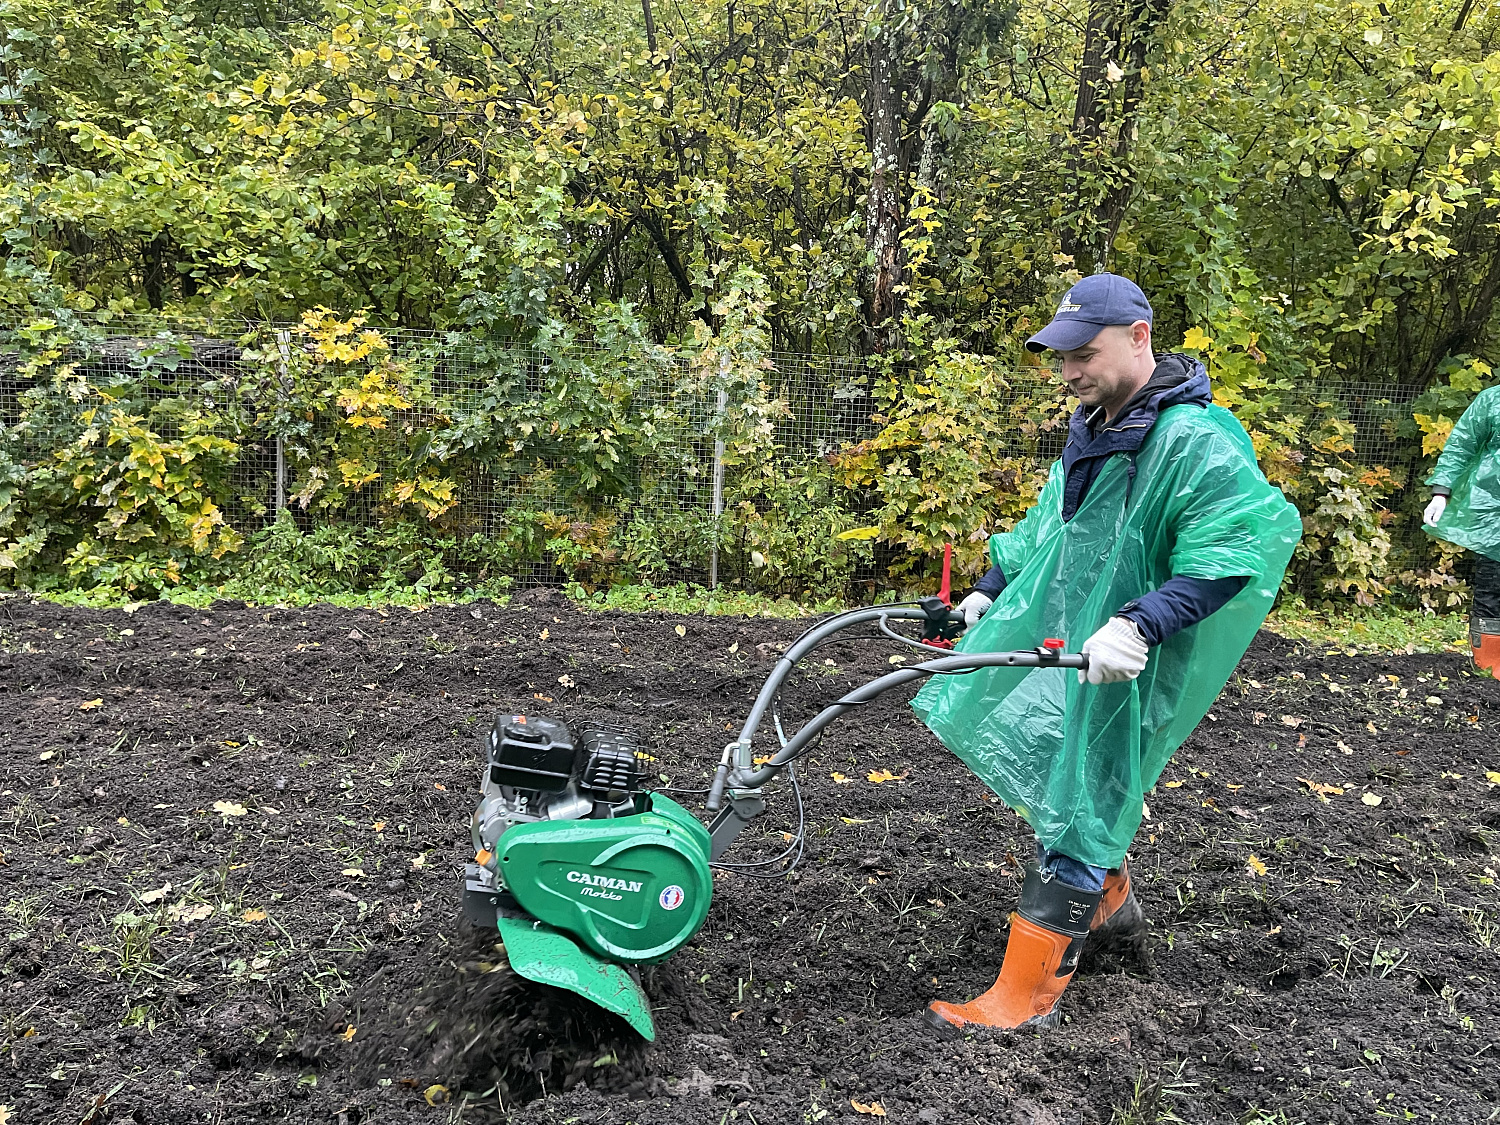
(1385, 627)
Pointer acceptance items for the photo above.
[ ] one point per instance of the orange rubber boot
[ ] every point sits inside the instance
(1484, 636)
(1119, 913)
(1047, 933)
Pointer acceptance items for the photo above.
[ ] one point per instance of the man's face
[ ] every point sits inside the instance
(1106, 371)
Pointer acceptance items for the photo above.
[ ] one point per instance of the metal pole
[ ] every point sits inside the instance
(284, 346)
(718, 501)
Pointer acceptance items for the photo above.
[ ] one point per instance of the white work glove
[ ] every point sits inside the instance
(973, 607)
(1435, 511)
(1116, 652)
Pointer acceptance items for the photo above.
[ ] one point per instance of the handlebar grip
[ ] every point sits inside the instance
(716, 790)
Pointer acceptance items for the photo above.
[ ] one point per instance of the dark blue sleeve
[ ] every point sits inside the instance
(992, 583)
(1178, 603)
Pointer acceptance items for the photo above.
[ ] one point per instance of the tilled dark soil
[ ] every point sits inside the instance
(231, 837)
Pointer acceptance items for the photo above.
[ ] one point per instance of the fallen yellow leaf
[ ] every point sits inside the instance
(1371, 799)
(840, 779)
(1291, 721)
(435, 1094)
(1254, 865)
(1492, 777)
(348, 1033)
(379, 826)
(1174, 785)
(91, 705)
(879, 777)
(874, 1109)
(1320, 789)
(353, 872)
(157, 895)
(254, 916)
(229, 808)
(680, 630)
(419, 861)
(440, 785)
(545, 634)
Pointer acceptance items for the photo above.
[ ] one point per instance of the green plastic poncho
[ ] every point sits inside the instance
(1075, 759)
(1470, 469)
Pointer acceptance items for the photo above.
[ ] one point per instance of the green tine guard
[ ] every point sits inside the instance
(541, 953)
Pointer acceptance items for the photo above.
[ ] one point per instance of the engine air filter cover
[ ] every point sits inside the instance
(530, 752)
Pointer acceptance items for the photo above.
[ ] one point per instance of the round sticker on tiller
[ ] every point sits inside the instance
(671, 897)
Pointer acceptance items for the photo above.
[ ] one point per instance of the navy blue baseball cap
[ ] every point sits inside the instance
(1095, 302)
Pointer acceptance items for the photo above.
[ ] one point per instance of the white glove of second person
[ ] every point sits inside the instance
(1116, 652)
(1435, 511)
(974, 606)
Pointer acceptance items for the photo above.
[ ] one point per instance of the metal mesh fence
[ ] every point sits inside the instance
(676, 475)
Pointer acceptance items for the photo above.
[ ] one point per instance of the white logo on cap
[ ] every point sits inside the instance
(1067, 306)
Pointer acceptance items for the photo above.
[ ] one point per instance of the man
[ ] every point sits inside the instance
(1465, 509)
(1157, 546)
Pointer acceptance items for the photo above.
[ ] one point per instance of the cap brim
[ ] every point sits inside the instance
(1064, 336)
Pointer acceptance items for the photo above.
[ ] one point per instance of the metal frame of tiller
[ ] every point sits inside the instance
(742, 782)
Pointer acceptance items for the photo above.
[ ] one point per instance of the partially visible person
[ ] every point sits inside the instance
(1465, 509)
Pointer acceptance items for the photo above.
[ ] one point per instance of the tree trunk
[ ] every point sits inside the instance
(883, 206)
(154, 270)
(1119, 32)
(1090, 109)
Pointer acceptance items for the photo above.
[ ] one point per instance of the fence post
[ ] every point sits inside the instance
(284, 346)
(718, 497)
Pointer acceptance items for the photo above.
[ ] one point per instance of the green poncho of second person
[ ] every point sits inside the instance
(1075, 760)
(1469, 469)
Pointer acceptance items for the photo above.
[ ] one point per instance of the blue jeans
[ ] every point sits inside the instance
(1081, 876)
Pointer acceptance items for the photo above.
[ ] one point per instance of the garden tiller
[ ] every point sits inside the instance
(588, 872)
